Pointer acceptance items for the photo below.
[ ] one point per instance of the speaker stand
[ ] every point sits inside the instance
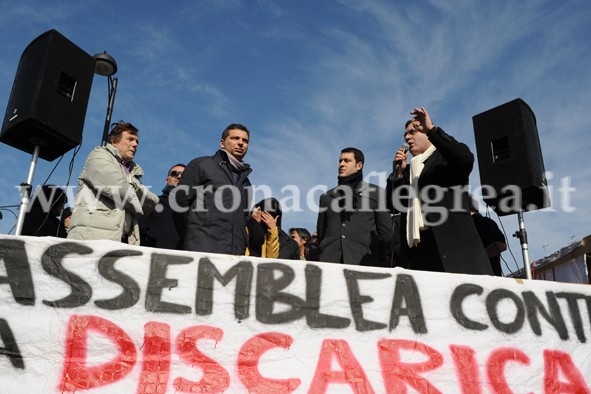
(522, 235)
(25, 191)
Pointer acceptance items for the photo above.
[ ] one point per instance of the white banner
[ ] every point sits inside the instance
(104, 317)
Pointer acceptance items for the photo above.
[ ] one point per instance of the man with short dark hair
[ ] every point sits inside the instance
(354, 225)
(110, 194)
(158, 229)
(437, 232)
(213, 197)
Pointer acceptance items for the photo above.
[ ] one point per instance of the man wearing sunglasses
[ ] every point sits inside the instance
(158, 229)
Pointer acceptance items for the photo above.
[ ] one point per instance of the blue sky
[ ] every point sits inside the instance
(311, 77)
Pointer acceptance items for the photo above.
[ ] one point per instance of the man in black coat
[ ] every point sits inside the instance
(431, 193)
(354, 225)
(158, 230)
(213, 197)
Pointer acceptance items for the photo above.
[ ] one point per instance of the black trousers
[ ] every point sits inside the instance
(425, 256)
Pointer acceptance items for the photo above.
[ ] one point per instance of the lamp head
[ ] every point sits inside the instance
(105, 64)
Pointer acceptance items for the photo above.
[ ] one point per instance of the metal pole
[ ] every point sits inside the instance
(522, 235)
(112, 93)
(25, 190)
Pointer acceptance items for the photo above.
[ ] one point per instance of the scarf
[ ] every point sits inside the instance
(415, 220)
(234, 162)
(348, 187)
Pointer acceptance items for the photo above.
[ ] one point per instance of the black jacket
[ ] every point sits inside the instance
(361, 239)
(41, 224)
(216, 206)
(448, 168)
(490, 233)
(288, 248)
(158, 229)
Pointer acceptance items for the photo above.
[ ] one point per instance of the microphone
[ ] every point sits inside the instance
(404, 147)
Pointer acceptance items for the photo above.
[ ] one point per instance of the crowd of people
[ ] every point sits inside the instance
(424, 219)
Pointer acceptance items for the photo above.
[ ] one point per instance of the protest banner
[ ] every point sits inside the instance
(105, 317)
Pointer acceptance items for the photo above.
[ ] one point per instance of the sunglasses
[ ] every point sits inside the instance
(175, 173)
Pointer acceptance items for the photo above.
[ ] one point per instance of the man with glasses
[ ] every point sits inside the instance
(431, 193)
(158, 229)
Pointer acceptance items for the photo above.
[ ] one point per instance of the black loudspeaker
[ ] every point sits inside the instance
(47, 105)
(510, 159)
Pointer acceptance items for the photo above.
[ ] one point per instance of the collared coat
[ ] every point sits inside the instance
(213, 206)
(108, 199)
(443, 181)
(362, 238)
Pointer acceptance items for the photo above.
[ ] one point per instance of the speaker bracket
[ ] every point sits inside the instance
(500, 149)
(67, 86)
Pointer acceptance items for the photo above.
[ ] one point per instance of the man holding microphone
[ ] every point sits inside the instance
(431, 194)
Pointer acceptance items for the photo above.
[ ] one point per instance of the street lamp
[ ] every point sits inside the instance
(107, 67)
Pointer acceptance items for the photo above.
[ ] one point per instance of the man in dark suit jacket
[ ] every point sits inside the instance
(213, 197)
(431, 193)
(354, 225)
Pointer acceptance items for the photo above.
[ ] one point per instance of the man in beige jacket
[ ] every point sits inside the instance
(110, 194)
